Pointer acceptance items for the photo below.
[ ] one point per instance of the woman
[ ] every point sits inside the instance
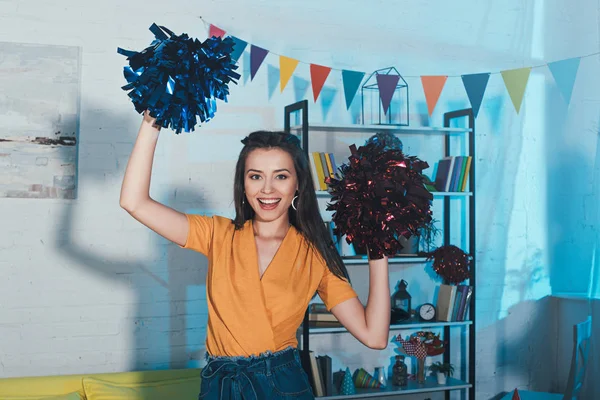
(264, 267)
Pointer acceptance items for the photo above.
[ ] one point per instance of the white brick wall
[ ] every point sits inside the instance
(85, 288)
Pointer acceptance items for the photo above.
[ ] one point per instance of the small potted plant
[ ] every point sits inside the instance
(443, 371)
(428, 235)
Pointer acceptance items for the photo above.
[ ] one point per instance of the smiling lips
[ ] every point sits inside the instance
(268, 204)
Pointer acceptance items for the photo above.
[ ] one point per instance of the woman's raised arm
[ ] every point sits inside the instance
(135, 190)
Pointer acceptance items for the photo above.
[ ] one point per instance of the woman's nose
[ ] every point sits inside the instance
(267, 186)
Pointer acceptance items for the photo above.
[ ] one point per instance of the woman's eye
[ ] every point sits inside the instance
(254, 177)
(281, 176)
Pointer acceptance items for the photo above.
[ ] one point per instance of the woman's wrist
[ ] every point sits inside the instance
(150, 121)
(370, 258)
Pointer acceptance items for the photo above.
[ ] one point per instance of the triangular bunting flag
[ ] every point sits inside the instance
(516, 395)
(257, 56)
(432, 86)
(475, 85)
(564, 73)
(214, 31)
(238, 48)
(515, 81)
(318, 76)
(351, 81)
(386, 85)
(286, 69)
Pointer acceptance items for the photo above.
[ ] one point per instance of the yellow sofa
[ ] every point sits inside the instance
(180, 384)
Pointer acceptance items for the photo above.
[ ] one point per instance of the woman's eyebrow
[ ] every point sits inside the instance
(260, 172)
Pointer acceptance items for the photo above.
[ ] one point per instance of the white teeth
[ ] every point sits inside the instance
(265, 201)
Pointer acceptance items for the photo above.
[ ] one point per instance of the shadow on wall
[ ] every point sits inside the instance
(524, 348)
(538, 334)
(495, 183)
(572, 213)
(535, 340)
(168, 318)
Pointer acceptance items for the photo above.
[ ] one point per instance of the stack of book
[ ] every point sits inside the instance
(452, 173)
(453, 302)
(323, 165)
(321, 374)
(319, 317)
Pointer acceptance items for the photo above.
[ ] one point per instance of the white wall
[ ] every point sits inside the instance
(86, 288)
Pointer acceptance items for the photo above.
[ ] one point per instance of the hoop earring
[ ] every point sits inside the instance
(293, 206)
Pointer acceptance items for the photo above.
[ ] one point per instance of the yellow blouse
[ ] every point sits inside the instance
(248, 315)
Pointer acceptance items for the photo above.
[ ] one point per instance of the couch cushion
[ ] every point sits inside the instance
(40, 386)
(181, 389)
(35, 387)
(69, 396)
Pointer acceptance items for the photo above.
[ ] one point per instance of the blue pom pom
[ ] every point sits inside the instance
(178, 78)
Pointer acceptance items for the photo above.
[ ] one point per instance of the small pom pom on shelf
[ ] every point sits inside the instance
(451, 264)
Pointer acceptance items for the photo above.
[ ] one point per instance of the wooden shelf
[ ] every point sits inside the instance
(379, 128)
(323, 193)
(314, 330)
(429, 386)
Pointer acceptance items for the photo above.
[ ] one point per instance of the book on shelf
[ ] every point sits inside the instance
(317, 308)
(325, 366)
(321, 374)
(325, 324)
(322, 165)
(445, 302)
(465, 299)
(338, 378)
(453, 302)
(318, 174)
(315, 374)
(452, 173)
(320, 317)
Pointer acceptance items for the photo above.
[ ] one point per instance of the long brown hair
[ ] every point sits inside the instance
(307, 219)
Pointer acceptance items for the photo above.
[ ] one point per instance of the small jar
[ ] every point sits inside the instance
(399, 372)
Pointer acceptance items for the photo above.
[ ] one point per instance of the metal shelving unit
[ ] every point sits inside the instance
(446, 132)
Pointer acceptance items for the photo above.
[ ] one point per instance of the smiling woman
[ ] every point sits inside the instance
(273, 187)
(264, 267)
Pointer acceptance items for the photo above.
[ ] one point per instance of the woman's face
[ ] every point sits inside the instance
(270, 183)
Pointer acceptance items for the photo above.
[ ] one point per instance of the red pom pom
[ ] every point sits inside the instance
(451, 264)
(380, 197)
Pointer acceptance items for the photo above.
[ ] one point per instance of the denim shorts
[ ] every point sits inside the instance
(277, 376)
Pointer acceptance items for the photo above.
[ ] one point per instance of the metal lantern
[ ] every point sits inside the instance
(373, 112)
(401, 307)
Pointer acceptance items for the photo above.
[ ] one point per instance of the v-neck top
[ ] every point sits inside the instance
(248, 315)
